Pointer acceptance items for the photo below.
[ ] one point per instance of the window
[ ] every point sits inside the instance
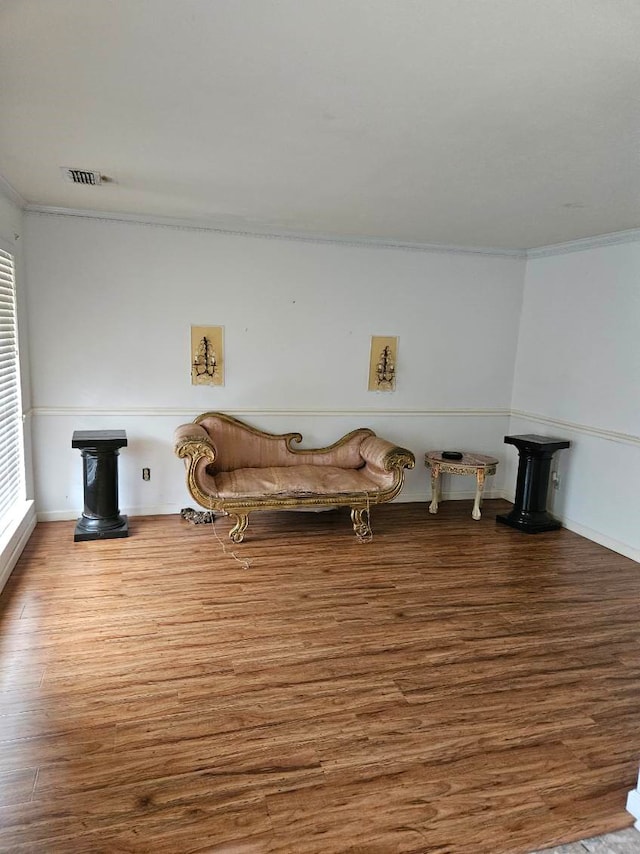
(11, 450)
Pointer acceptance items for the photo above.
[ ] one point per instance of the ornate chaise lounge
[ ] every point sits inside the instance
(234, 469)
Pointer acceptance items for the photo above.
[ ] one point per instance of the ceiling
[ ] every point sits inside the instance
(503, 123)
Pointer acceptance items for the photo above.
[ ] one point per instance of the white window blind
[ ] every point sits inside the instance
(11, 454)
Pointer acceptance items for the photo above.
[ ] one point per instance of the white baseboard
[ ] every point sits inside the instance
(633, 806)
(405, 497)
(146, 510)
(14, 539)
(57, 516)
(590, 534)
(601, 539)
(424, 495)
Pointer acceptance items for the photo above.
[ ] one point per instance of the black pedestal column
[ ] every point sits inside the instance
(101, 518)
(529, 512)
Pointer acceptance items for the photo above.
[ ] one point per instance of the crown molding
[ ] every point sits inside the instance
(632, 235)
(220, 227)
(6, 189)
(275, 233)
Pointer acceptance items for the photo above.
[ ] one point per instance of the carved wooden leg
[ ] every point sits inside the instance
(360, 519)
(435, 488)
(236, 534)
(479, 490)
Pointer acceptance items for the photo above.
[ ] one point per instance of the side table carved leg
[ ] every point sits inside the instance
(435, 488)
(480, 478)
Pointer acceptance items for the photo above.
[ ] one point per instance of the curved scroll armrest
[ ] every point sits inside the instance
(193, 442)
(385, 455)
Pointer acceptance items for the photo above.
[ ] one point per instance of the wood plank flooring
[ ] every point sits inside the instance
(453, 687)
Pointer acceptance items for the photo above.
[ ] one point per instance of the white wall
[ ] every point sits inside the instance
(578, 376)
(111, 303)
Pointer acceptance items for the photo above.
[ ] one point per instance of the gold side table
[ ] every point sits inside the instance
(471, 464)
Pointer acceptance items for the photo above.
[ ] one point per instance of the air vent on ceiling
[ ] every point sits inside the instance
(81, 176)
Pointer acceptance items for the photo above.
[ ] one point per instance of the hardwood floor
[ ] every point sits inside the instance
(453, 686)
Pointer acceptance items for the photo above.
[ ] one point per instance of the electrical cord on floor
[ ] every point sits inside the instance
(207, 517)
(244, 563)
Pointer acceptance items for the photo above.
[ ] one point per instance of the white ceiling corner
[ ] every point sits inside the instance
(508, 123)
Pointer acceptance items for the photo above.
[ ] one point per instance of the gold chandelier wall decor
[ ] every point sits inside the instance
(207, 355)
(382, 363)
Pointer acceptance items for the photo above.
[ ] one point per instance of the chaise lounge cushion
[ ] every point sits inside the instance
(296, 481)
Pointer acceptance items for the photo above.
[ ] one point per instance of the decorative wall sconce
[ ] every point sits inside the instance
(385, 369)
(382, 363)
(205, 361)
(207, 355)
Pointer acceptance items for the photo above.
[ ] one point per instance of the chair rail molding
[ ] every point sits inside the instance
(53, 411)
(611, 435)
(187, 412)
